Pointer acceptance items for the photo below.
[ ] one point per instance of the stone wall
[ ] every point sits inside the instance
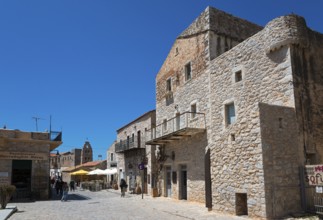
(237, 163)
(307, 68)
(281, 149)
(188, 152)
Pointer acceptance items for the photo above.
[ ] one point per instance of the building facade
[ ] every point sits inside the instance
(182, 103)
(115, 160)
(61, 161)
(25, 161)
(131, 143)
(238, 113)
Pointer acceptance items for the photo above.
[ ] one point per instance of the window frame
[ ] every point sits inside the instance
(238, 74)
(228, 117)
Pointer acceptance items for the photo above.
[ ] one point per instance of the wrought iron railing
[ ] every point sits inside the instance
(56, 136)
(131, 143)
(182, 121)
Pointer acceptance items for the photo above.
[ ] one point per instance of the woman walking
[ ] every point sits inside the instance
(65, 192)
(123, 187)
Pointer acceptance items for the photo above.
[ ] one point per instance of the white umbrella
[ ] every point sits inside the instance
(96, 172)
(110, 171)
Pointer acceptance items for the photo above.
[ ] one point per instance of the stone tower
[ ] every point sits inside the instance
(87, 153)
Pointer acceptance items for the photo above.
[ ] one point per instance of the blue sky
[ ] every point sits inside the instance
(91, 64)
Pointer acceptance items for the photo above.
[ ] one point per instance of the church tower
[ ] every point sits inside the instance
(87, 153)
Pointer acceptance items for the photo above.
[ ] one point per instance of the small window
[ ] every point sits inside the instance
(188, 72)
(111, 156)
(165, 125)
(280, 122)
(176, 51)
(233, 137)
(238, 76)
(193, 110)
(169, 85)
(230, 114)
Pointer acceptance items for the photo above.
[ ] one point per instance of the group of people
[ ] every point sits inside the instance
(62, 188)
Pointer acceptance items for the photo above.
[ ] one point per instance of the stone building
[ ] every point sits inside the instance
(131, 142)
(24, 161)
(114, 160)
(61, 161)
(238, 112)
(87, 153)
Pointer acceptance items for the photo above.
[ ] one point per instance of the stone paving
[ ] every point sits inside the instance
(107, 204)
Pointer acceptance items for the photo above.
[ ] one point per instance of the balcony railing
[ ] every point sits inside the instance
(56, 136)
(131, 143)
(185, 124)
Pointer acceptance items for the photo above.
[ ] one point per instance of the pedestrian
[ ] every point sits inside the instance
(123, 187)
(58, 186)
(72, 185)
(65, 191)
(52, 182)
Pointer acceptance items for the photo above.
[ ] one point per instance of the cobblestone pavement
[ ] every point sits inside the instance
(107, 204)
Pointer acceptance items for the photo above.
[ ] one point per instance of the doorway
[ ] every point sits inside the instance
(241, 204)
(21, 178)
(168, 182)
(139, 139)
(183, 182)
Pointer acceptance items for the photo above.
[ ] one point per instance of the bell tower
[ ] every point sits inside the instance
(87, 153)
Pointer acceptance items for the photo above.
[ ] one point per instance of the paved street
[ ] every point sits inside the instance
(107, 204)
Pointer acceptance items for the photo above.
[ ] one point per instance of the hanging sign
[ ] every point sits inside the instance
(141, 166)
(314, 175)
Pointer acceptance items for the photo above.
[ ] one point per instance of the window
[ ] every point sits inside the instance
(188, 72)
(169, 85)
(111, 157)
(238, 76)
(176, 51)
(193, 110)
(233, 137)
(165, 125)
(230, 114)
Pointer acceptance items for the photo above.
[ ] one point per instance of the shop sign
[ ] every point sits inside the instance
(314, 175)
(4, 178)
(5, 155)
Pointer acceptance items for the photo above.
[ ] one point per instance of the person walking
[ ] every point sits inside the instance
(65, 191)
(58, 186)
(123, 187)
(72, 185)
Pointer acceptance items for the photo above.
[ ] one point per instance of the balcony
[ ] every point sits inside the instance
(183, 125)
(56, 136)
(131, 143)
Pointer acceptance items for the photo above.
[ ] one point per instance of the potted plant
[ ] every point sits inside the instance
(6, 191)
